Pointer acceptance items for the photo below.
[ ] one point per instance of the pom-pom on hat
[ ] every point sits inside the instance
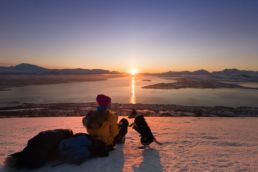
(103, 100)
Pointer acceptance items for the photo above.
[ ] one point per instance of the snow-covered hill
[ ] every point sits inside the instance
(190, 144)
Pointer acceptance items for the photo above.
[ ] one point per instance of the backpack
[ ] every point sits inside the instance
(95, 119)
(39, 150)
(81, 147)
(75, 150)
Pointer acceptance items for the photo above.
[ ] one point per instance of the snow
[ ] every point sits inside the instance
(189, 144)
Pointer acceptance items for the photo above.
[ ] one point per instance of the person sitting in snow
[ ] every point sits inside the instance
(102, 123)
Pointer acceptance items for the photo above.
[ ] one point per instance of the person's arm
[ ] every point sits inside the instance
(114, 129)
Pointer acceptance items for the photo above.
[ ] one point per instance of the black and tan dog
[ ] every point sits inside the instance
(141, 126)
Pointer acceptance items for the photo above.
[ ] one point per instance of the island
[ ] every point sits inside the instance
(146, 80)
(195, 83)
(10, 81)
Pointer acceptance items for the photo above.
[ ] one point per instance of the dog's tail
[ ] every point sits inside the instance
(156, 141)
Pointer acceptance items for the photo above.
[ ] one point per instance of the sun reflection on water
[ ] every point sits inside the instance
(133, 98)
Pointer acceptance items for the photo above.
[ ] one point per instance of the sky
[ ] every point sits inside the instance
(150, 35)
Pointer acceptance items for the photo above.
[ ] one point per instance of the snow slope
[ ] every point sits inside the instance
(190, 144)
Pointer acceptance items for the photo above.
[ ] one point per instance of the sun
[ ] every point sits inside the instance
(133, 71)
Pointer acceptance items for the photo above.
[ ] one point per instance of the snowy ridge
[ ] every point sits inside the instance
(190, 144)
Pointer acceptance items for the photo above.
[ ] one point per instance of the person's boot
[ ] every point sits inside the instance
(122, 141)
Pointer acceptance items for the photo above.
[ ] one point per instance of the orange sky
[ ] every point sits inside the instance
(152, 36)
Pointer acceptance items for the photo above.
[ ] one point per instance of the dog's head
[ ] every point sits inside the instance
(133, 114)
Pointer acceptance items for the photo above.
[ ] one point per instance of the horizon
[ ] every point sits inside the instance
(132, 71)
(149, 36)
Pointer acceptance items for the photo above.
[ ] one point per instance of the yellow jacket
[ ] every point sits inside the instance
(108, 129)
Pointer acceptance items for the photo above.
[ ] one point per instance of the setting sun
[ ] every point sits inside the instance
(133, 71)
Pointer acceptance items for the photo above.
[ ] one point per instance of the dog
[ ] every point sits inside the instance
(141, 126)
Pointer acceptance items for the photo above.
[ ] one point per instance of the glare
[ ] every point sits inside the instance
(133, 98)
(133, 71)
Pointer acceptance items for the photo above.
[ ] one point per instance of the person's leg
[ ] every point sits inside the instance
(123, 128)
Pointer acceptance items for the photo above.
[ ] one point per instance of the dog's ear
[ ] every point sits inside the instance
(133, 114)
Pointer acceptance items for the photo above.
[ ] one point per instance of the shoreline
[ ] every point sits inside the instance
(155, 110)
(11, 81)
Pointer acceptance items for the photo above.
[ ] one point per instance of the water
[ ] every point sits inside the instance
(129, 90)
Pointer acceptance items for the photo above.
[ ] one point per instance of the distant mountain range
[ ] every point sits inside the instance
(228, 74)
(25, 68)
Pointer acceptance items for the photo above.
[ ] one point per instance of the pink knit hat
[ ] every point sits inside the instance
(103, 100)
